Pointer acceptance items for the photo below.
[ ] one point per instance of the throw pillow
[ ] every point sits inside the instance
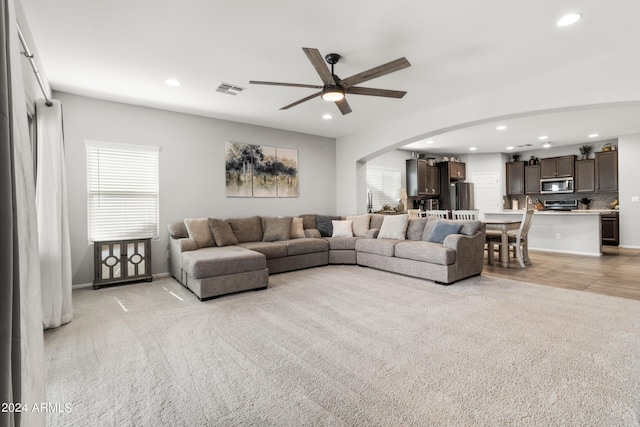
(297, 228)
(442, 230)
(308, 221)
(222, 232)
(376, 221)
(324, 225)
(394, 227)
(360, 224)
(178, 230)
(276, 229)
(342, 228)
(198, 229)
(246, 229)
(416, 228)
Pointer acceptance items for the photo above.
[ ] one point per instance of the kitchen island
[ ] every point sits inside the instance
(572, 232)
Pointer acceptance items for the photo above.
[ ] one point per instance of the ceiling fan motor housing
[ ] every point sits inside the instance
(332, 58)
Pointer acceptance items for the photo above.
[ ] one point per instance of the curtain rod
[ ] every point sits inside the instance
(29, 55)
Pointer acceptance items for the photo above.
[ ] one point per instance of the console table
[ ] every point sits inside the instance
(121, 261)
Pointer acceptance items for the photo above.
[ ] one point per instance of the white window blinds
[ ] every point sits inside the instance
(122, 187)
(384, 185)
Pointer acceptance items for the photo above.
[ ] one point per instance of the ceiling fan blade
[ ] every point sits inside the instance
(379, 71)
(318, 63)
(357, 90)
(344, 106)
(255, 82)
(300, 101)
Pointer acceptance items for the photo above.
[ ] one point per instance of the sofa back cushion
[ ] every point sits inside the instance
(308, 221)
(222, 232)
(376, 221)
(276, 229)
(198, 229)
(246, 229)
(416, 228)
(394, 227)
(360, 224)
(178, 230)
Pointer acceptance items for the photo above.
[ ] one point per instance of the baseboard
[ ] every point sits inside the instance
(629, 247)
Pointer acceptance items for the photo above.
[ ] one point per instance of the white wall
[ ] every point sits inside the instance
(192, 178)
(628, 179)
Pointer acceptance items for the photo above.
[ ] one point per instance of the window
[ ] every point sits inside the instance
(384, 186)
(122, 191)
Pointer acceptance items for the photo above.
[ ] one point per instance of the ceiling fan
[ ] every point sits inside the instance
(334, 89)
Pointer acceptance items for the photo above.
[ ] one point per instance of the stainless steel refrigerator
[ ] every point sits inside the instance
(461, 196)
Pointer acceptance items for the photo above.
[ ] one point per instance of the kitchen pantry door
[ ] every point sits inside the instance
(486, 192)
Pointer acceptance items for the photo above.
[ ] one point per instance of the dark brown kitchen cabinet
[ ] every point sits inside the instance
(532, 179)
(607, 171)
(422, 179)
(610, 229)
(585, 179)
(457, 170)
(515, 178)
(557, 167)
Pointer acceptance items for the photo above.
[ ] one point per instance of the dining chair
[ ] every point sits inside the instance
(414, 213)
(438, 213)
(467, 215)
(518, 240)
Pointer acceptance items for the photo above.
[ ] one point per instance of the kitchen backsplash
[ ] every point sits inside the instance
(598, 200)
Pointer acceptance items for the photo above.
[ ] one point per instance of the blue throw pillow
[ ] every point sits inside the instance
(442, 230)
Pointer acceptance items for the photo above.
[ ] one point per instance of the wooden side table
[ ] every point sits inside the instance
(121, 261)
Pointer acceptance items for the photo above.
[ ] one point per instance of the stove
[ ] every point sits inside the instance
(560, 205)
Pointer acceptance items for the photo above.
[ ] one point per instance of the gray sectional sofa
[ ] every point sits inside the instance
(214, 257)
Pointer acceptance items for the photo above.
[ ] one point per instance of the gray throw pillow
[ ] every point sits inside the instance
(442, 230)
(416, 228)
(276, 229)
(178, 230)
(222, 232)
(198, 229)
(246, 229)
(324, 225)
(308, 221)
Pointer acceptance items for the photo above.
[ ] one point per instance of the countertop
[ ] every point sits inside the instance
(552, 212)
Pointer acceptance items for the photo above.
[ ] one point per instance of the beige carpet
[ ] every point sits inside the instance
(345, 345)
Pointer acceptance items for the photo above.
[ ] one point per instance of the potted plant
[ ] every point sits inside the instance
(585, 150)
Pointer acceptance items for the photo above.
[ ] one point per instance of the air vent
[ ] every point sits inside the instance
(229, 89)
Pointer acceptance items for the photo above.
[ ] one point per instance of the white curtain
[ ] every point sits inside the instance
(53, 223)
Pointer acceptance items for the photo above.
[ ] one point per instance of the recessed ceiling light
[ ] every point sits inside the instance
(568, 19)
(543, 137)
(327, 116)
(546, 145)
(594, 135)
(501, 127)
(473, 148)
(429, 141)
(509, 148)
(172, 82)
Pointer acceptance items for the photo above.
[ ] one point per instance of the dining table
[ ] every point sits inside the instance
(503, 226)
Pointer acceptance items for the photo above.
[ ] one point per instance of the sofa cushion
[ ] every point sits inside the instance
(342, 243)
(246, 229)
(428, 228)
(394, 227)
(433, 253)
(269, 249)
(308, 221)
(384, 247)
(312, 232)
(297, 228)
(342, 228)
(220, 261)
(416, 228)
(178, 230)
(324, 225)
(222, 233)
(306, 246)
(360, 224)
(276, 229)
(442, 229)
(376, 221)
(469, 227)
(198, 229)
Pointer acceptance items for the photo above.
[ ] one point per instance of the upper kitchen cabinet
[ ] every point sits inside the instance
(607, 171)
(453, 171)
(422, 179)
(557, 167)
(585, 181)
(515, 178)
(532, 179)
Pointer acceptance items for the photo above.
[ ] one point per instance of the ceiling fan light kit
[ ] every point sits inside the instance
(335, 89)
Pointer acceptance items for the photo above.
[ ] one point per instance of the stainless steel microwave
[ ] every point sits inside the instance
(556, 185)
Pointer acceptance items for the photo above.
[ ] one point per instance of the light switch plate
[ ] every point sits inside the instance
(635, 199)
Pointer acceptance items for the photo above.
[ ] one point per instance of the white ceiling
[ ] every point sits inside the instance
(123, 50)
